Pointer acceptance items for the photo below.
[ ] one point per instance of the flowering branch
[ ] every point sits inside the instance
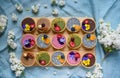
(96, 73)
(16, 65)
(109, 38)
(3, 23)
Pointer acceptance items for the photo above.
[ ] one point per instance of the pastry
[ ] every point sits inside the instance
(28, 41)
(58, 41)
(74, 41)
(58, 58)
(73, 25)
(42, 58)
(88, 60)
(28, 59)
(43, 41)
(73, 58)
(89, 41)
(88, 26)
(43, 25)
(28, 24)
(58, 25)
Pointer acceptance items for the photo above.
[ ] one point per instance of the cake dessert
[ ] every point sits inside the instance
(73, 58)
(89, 41)
(58, 41)
(28, 41)
(58, 58)
(28, 24)
(43, 41)
(88, 60)
(58, 25)
(88, 26)
(74, 41)
(28, 59)
(43, 25)
(42, 58)
(73, 25)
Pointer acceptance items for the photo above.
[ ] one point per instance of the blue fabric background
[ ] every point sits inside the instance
(106, 9)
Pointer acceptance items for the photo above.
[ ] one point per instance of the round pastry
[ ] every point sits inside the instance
(58, 25)
(88, 26)
(28, 25)
(74, 41)
(58, 41)
(43, 58)
(28, 59)
(43, 41)
(73, 25)
(43, 25)
(58, 58)
(73, 58)
(88, 60)
(89, 41)
(28, 41)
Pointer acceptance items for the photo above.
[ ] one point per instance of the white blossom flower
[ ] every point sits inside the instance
(89, 74)
(16, 64)
(12, 54)
(54, 2)
(11, 35)
(14, 17)
(101, 20)
(10, 41)
(11, 60)
(3, 23)
(98, 66)
(54, 12)
(109, 37)
(13, 67)
(96, 73)
(12, 44)
(19, 7)
(61, 3)
(35, 8)
(18, 73)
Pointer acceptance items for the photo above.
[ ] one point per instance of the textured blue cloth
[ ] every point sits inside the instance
(106, 9)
